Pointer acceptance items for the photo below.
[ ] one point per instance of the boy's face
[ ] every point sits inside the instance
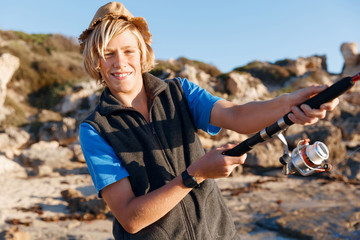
(121, 68)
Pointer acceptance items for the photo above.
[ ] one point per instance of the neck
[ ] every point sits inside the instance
(138, 101)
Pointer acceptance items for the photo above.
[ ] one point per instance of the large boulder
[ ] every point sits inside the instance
(84, 204)
(46, 158)
(12, 140)
(352, 58)
(65, 131)
(198, 77)
(9, 167)
(350, 128)
(265, 155)
(8, 65)
(303, 65)
(350, 167)
(348, 121)
(84, 97)
(245, 87)
(318, 77)
(14, 233)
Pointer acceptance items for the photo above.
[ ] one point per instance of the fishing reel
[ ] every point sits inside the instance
(305, 159)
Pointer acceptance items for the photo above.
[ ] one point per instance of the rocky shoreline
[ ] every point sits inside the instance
(48, 193)
(272, 206)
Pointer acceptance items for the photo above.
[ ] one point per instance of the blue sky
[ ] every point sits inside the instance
(224, 33)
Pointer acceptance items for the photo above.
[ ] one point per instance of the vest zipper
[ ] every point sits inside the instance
(189, 228)
(188, 223)
(161, 147)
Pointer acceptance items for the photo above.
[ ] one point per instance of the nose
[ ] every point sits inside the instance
(119, 60)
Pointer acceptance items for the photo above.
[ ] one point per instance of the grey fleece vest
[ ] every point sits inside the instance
(154, 153)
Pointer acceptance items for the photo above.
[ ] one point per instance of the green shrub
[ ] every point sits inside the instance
(208, 68)
(49, 96)
(17, 118)
(176, 66)
(46, 60)
(269, 74)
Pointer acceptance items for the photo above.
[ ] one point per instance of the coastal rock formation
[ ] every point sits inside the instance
(46, 158)
(8, 65)
(245, 87)
(303, 65)
(48, 190)
(352, 58)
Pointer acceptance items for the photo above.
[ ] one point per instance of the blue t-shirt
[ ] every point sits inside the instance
(105, 167)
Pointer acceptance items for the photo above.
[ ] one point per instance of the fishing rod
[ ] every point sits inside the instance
(305, 158)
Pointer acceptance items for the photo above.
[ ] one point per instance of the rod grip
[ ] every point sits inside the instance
(325, 96)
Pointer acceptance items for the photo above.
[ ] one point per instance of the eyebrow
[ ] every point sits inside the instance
(125, 47)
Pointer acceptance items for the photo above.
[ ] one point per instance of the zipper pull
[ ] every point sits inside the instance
(152, 128)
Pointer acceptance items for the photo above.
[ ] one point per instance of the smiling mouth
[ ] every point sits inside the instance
(121, 75)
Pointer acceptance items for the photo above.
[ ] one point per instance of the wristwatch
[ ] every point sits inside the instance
(188, 180)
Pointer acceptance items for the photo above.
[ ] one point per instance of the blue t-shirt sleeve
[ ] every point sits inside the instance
(200, 103)
(104, 166)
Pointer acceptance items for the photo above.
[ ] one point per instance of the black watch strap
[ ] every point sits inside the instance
(188, 180)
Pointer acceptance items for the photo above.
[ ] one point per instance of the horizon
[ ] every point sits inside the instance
(226, 35)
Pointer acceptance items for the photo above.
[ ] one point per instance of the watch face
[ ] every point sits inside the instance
(189, 181)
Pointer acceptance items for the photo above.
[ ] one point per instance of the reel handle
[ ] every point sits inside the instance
(325, 96)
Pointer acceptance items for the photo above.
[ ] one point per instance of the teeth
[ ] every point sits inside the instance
(121, 74)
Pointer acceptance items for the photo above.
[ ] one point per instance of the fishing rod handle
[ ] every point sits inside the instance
(325, 96)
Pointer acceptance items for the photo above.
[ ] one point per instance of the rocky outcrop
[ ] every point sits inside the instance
(47, 153)
(77, 202)
(265, 156)
(352, 58)
(245, 87)
(302, 65)
(276, 75)
(8, 65)
(65, 132)
(318, 77)
(292, 207)
(15, 233)
(350, 128)
(198, 77)
(10, 167)
(12, 140)
(46, 158)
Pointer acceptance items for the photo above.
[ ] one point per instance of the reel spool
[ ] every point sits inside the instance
(306, 159)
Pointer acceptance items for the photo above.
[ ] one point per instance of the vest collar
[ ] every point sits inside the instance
(153, 87)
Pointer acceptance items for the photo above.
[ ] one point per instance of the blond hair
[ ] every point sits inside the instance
(100, 37)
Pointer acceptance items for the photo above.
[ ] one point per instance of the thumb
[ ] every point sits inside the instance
(313, 90)
(237, 159)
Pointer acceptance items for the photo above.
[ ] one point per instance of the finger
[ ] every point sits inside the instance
(229, 146)
(225, 148)
(330, 105)
(312, 112)
(300, 115)
(243, 158)
(300, 118)
(237, 160)
(317, 89)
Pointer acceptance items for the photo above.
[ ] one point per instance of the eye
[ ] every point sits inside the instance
(108, 54)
